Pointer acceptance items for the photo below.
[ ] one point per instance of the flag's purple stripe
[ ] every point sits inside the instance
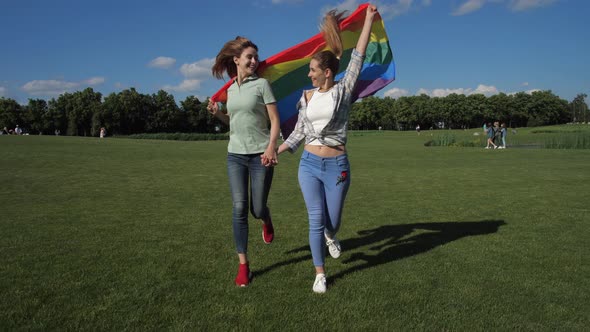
(369, 88)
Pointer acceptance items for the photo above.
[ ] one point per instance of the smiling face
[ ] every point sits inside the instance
(317, 75)
(247, 62)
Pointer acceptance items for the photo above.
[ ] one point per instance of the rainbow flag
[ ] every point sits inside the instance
(287, 70)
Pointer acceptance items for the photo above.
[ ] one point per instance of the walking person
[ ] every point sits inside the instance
(253, 120)
(490, 135)
(497, 134)
(324, 169)
(503, 133)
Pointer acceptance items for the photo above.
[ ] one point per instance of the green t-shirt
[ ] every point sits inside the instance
(248, 119)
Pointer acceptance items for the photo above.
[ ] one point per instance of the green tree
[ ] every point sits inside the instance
(55, 120)
(579, 108)
(165, 115)
(10, 113)
(34, 116)
(136, 109)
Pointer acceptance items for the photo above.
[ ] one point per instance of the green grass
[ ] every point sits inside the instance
(122, 234)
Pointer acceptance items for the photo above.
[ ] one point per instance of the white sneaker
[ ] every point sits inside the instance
(319, 285)
(333, 247)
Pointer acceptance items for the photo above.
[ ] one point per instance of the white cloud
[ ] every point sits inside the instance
(520, 5)
(185, 86)
(3, 91)
(199, 69)
(95, 81)
(530, 92)
(443, 92)
(162, 62)
(481, 89)
(395, 9)
(487, 90)
(387, 9)
(469, 6)
(348, 5)
(525, 84)
(396, 93)
(56, 87)
(194, 73)
(48, 87)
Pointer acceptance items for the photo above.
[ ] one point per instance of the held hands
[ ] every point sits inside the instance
(269, 158)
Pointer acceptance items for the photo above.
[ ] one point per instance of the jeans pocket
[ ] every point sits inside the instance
(343, 164)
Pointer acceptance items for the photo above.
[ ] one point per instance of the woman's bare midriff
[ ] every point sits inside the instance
(326, 151)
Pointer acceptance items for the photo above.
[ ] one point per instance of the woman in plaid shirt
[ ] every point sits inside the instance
(324, 170)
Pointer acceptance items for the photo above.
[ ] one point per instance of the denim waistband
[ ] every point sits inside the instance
(314, 157)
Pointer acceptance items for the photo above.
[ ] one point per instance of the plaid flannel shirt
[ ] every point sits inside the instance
(334, 133)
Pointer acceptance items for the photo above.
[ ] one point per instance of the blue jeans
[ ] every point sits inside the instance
(241, 169)
(324, 183)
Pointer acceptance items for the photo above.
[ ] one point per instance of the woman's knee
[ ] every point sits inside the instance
(240, 211)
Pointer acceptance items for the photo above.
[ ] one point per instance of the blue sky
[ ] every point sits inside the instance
(440, 46)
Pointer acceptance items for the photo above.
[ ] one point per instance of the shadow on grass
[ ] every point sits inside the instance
(393, 242)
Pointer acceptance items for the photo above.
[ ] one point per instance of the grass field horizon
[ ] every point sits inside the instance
(125, 234)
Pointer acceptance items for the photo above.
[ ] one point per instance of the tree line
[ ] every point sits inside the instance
(128, 112)
(457, 111)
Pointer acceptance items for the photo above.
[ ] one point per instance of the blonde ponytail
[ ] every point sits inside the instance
(330, 29)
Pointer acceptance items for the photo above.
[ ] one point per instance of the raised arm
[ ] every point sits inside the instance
(361, 44)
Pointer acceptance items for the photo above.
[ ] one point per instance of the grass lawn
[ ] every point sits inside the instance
(122, 234)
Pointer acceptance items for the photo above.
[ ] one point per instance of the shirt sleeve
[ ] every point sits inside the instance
(267, 95)
(352, 71)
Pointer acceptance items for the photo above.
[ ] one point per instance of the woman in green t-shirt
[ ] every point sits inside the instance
(253, 120)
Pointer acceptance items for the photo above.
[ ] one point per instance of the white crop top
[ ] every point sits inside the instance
(320, 109)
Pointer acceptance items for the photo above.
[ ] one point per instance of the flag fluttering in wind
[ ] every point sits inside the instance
(287, 71)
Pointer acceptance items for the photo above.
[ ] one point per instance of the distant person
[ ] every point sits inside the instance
(490, 137)
(497, 133)
(503, 133)
(4, 131)
(18, 130)
(57, 132)
(253, 119)
(102, 132)
(485, 128)
(418, 129)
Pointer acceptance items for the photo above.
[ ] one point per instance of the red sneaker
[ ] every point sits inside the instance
(268, 231)
(244, 275)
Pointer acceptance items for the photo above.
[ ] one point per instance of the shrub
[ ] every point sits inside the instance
(182, 136)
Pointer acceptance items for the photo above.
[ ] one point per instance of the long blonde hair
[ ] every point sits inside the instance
(330, 29)
(224, 61)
